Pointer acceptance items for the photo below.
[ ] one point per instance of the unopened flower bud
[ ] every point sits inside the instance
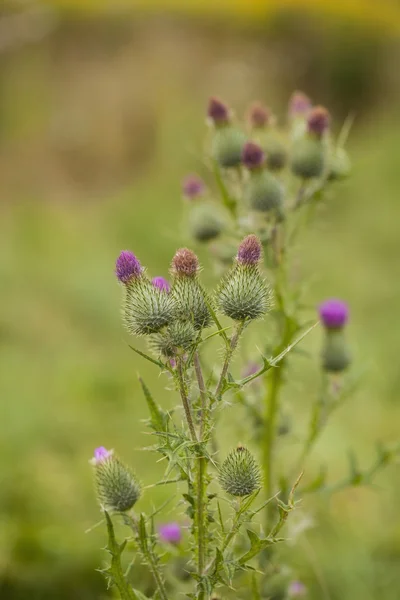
(299, 105)
(262, 191)
(239, 474)
(161, 284)
(308, 157)
(339, 165)
(171, 533)
(227, 146)
(297, 589)
(252, 156)
(243, 293)
(335, 352)
(190, 300)
(175, 339)
(258, 116)
(193, 187)
(318, 121)
(217, 111)
(116, 486)
(205, 222)
(147, 308)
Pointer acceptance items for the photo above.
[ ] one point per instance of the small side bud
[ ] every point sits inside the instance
(335, 353)
(193, 187)
(258, 116)
(299, 105)
(218, 112)
(170, 533)
(263, 192)
(239, 474)
(308, 158)
(243, 293)
(116, 486)
(127, 267)
(161, 284)
(205, 222)
(253, 156)
(318, 121)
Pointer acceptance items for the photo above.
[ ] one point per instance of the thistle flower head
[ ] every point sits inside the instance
(193, 187)
(170, 533)
(100, 455)
(258, 115)
(252, 156)
(296, 589)
(161, 284)
(249, 251)
(127, 267)
(334, 313)
(299, 104)
(185, 263)
(218, 111)
(239, 474)
(318, 121)
(116, 486)
(205, 222)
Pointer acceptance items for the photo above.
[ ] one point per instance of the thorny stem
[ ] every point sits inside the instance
(272, 399)
(228, 357)
(148, 555)
(185, 400)
(200, 479)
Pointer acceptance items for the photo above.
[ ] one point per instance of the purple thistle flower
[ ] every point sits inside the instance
(252, 156)
(250, 251)
(127, 266)
(170, 533)
(161, 283)
(218, 111)
(318, 120)
(299, 105)
(258, 115)
(185, 262)
(297, 589)
(334, 313)
(193, 187)
(101, 454)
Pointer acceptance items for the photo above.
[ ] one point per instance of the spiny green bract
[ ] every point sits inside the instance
(116, 486)
(147, 309)
(335, 352)
(244, 294)
(308, 157)
(240, 474)
(205, 222)
(179, 335)
(190, 302)
(263, 192)
(227, 146)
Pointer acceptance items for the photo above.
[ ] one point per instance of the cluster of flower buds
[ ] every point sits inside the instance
(259, 162)
(173, 315)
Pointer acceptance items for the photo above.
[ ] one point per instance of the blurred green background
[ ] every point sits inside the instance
(101, 114)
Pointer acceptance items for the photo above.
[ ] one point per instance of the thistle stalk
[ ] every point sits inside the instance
(228, 357)
(185, 399)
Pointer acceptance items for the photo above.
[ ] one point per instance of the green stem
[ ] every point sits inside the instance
(185, 400)
(228, 357)
(201, 482)
(271, 413)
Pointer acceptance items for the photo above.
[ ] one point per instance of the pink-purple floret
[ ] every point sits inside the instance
(170, 533)
(334, 313)
(161, 283)
(297, 589)
(193, 187)
(249, 252)
(101, 454)
(252, 155)
(127, 266)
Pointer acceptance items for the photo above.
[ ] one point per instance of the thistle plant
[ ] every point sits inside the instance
(266, 184)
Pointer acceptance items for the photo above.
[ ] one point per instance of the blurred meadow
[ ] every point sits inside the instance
(102, 112)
